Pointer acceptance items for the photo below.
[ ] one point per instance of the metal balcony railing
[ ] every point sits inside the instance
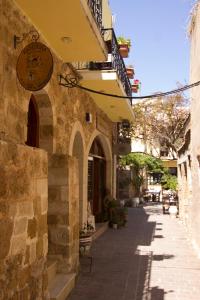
(118, 62)
(96, 9)
(114, 62)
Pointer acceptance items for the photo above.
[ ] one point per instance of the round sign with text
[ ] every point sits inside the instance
(34, 66)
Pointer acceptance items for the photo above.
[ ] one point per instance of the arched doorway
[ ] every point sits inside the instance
(40, 123)
(33, 124)
(96, 178)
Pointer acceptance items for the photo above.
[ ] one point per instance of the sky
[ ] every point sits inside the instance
(160, 49)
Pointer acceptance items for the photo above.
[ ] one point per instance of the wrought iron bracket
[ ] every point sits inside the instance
(19, 39)
(68, 80)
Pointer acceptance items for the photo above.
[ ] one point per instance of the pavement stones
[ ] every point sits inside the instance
(150, 259)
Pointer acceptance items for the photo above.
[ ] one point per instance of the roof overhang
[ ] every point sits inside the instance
(68, 27)
(117, 109)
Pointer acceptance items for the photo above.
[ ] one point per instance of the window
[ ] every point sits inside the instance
(33, 124)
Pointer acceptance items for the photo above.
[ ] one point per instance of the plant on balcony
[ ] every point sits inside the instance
(124, 46)
(135, 86)
(130, 71)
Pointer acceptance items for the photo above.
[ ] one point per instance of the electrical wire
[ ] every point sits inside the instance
(72, 82)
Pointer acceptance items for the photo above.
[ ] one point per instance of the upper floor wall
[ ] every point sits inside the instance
(67, 106)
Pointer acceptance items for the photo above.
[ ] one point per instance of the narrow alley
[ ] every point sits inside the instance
(149, 259)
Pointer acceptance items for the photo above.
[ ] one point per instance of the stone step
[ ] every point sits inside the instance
(100, 229)
(61, 286)
(51, 270)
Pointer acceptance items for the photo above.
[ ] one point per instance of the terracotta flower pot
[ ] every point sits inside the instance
(135, 88)
(124, 50)
(130, 73)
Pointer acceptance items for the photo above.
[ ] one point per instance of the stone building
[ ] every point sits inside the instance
(184, 175)
(56, 142)
(194, 148)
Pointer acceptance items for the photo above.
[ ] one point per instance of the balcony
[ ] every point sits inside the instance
(109, 77)
(69, 26)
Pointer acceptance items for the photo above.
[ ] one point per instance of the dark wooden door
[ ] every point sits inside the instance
(98, 185)
(33, 124)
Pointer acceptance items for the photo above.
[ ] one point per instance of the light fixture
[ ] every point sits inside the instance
(66, 39)
(88, 117)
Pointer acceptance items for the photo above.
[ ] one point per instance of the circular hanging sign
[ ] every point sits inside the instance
(34, 66)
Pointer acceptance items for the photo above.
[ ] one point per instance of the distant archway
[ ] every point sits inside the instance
(99, 172)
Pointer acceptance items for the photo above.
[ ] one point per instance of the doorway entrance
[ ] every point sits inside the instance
(96, 178)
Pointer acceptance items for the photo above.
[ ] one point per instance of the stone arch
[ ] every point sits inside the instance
(77, 150)
(103, 166)
(44, 110)
(108, 154)
(76, 128)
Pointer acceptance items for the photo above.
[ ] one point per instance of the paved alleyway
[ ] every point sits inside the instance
(150, 259)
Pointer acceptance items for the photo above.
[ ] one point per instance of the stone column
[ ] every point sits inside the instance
(63, 211)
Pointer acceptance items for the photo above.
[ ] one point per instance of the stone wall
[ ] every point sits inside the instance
(23, 170)
(195, 129)
(63, 211)
(23, 222)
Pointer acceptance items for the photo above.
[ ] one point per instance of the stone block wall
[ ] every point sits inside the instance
(24, 184)
(194, 209)
(23, 222)
(63, 211)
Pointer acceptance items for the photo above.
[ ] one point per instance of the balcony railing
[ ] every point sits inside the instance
(96, 9)
(114, 62)
(117, 60)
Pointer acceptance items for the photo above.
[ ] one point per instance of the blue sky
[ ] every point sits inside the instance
(160, 49)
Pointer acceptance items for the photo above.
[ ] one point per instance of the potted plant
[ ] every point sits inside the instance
(85, 238)
(118, 217)
(130, 72)
(135, 86)
(124, 46)
(114, 219)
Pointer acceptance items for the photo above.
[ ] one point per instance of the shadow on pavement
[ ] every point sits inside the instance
(121, 271)
(156, 293)
(158, 236)
(162, 257)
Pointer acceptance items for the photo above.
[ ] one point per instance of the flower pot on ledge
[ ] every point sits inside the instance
(135, 88)
(85, 242)
(124, 50)
(130, 72)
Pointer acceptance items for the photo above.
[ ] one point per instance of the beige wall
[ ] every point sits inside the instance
(195, 129)
(33, 179)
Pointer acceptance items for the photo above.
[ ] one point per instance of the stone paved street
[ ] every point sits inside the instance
(150, 259)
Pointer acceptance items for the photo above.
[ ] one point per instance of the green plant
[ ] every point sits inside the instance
(86, 230)
(121, 40)
(169, 182)
(141, 164)
(119, 216)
